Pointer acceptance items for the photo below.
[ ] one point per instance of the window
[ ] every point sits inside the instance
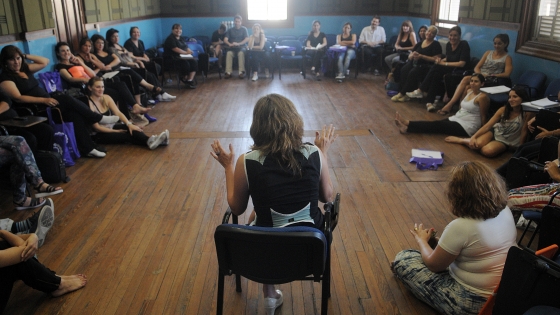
(539, 32)
(448, 15)
(266, 10)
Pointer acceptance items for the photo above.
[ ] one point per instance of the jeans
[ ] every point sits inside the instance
(15, 151)
(346, 58)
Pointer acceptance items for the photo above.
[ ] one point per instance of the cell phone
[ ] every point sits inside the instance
(19, 118)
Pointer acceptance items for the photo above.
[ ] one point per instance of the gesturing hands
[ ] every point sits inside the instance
(325, 137)
(225, 158)
(30, 246)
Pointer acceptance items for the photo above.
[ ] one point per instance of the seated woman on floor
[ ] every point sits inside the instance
(494, 63)
(278, 156)
(507, 128)
(14, 151)
(74, 71)
(348, 40)
(458, 55)
(118, 133)
(464, 123)
(419, 63)
(461, 272)
(18, 82)
(17, 262)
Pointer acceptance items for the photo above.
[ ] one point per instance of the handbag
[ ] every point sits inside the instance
(64, 137)
(51, 81)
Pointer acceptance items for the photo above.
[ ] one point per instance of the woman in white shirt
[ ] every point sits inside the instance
(460, 273)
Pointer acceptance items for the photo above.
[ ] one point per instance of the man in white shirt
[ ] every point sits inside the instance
(372, 39)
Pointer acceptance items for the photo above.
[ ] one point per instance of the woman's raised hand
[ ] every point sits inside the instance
(421, 234)
(225, 158)
(325, 137)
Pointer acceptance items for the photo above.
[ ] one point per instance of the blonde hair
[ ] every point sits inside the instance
(277, 130)
(476, 191)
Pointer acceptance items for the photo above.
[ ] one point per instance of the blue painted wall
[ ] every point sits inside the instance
(154, 32)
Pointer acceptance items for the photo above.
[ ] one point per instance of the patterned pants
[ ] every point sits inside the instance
(15, 152)
(439, 290)
(534, 197)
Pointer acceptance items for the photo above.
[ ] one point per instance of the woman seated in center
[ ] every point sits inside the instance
(284, 177)
(118, 133)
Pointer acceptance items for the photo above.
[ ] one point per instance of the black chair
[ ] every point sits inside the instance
(296, 253)
(205, 62)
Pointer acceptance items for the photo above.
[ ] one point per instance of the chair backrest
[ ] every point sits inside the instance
(549, 227)
(196, 48)
(331, 39)
(204, 39)
(271, 38)
(534, 81)
(302, 39)
(553, 88)
(393, 41)
(271, 255)
(293, 43)
(286, 37)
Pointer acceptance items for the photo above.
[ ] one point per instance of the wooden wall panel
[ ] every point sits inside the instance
(9, 17)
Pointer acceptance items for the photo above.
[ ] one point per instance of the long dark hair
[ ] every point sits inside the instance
(108, 36)
(10, 52)
(522, 93)
(505, 39)
(97, 37)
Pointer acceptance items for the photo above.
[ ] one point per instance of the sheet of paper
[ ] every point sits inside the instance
(426, 154)
(185, 55)
(109, 75)
(544, 102)
(495, 89)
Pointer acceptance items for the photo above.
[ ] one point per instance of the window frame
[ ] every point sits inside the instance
(288, 23)
(525, 44)
(442, 30)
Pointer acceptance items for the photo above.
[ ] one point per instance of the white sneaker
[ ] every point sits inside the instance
(166, 97)
(95, 153)
(340, 76)
(415, 94)
(155, 141)
(266, 73)
(45, 220)
(152, 102)
(109, 119)
(255, 77)
(271, 304)
(166, 141)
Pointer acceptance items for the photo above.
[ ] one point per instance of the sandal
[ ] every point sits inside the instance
(34, 203)
(48, 190)
(443, 112)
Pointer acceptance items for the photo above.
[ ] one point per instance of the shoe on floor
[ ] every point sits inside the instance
(227, 75)
(430, 107)
(166, 141)
(166, 97)
(242, 75)
(155, 141)
(376, 72)
(340, 76)
(190, 84)
(33, 203)
(95, 153)
(415, 94)
(255, 77)
(396, 97)
(404, 98)
(347, 72)
(271, 304)
(41, 223)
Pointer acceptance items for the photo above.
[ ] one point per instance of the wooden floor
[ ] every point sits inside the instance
(140, 223)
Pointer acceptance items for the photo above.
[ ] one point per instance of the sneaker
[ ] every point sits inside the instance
(41, 223)
(152, 102)
(109, 119)
(227, 75)
(404, 98)
(255, 77)
(522, 224)
(376, 72)
(430, 107)
(166, 97)
(266, 73)
(166, 141)
(95, 153)
(155, 141)
(339, 76)
(190, 85)
(271, 304)
(415, 94)
(396, 97)
(242, 74)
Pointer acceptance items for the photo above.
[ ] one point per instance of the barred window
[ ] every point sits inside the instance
(547, 28)
(264, 10)
(448, 15)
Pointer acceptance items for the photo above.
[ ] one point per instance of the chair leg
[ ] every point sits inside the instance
(220, 296)
(237, 283)
(533, 236)
(525, 231)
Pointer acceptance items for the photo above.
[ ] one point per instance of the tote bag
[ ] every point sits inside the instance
(65, 138)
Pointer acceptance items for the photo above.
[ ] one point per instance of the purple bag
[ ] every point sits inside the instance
(51, 81)
(64, 138)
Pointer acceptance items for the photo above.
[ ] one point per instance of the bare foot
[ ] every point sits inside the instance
(69, 284)
(402, 124)
(453, 139)
(137, 109)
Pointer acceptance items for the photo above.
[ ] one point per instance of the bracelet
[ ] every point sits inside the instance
(128, 123)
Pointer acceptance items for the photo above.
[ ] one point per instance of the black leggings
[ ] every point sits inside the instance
(38, 137)
(31, 272)
(120, 93)
(411, 76)
(316, 57)
(137, 137)
(433, 82)
(186, 66)
(444, 126)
